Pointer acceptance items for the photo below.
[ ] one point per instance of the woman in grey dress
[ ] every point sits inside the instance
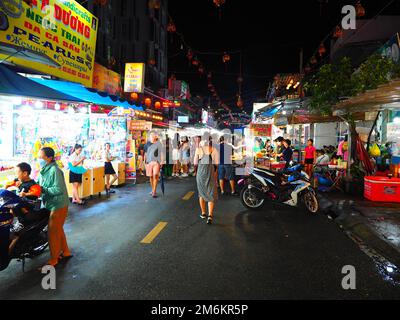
(206, 158)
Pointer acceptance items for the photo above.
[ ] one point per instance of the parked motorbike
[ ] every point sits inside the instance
(292, 187)
(32, 239)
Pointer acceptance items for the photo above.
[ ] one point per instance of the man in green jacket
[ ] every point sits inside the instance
(55, 198)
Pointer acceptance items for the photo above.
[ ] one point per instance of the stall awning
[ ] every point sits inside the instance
(271, 112)
(386, 96)
(13, 84)
(85, 94)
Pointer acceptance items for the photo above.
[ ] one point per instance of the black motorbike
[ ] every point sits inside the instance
(292, 187)
(32, 238)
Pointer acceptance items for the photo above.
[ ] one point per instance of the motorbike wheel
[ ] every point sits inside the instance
(250, 199)
(311, 202)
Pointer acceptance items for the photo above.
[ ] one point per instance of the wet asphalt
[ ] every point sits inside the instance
(276, 253)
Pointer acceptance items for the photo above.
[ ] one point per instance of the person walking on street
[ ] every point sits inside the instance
(225, 168)
(153, 159)
(176, 171)
(55, 199)
(108, 169)
(76, 159)
(185, 156)
(206, 158)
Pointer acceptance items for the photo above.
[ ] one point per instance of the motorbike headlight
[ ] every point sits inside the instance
(2, 202)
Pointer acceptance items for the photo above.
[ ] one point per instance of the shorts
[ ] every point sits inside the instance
(153, 169)
(108, 168)
(309, 161)
(75, 178)
(226, 172)
(185, 161)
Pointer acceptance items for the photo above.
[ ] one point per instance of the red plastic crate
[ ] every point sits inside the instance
(382, 189)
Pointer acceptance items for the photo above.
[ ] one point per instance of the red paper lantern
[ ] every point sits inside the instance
(219, 3)
(195, 62)
(360, 10)
(338, 32)
(154, 4)
(134, 96)
(171, 28)
(240, 103)
(321, 49)
(147, 102)
(226, 58)
(158, 105)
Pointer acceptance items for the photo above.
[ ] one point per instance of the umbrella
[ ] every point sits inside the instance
(162, 181)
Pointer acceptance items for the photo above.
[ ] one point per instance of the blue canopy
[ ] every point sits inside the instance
(86, 95)
(272, 111)
(11, 83)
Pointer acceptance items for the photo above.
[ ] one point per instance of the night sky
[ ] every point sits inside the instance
(269, 33)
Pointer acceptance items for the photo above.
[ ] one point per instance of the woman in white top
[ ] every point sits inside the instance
(185, 157)
(108, 169)
(76, 159)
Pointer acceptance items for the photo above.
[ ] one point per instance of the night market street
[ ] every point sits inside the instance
(277, 253)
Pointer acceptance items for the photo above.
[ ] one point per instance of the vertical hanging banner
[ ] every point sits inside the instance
(134, 77)
(54, 37)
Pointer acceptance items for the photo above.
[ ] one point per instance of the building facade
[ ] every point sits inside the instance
(133, 31)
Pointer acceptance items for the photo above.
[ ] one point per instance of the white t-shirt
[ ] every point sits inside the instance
(107, 156)
(76, 158)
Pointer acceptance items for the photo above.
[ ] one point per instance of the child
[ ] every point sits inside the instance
(27, 188)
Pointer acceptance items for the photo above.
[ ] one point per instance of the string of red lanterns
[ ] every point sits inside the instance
(194, 61)
(337, 33)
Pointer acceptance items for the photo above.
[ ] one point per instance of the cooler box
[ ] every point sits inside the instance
(382, 189)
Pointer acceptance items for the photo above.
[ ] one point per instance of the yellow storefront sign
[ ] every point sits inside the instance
(134, 77)
(54, 37)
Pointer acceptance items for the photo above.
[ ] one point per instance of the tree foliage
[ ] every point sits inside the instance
(334, 82)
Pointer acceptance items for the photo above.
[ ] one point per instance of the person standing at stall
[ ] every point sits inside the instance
(55, 199)
(109, 169)
(287, 153)
(310, 156)
(76, 160)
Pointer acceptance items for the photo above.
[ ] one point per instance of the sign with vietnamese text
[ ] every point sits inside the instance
(134, 77)
(55, 37)
(106, 80)
(140, 125)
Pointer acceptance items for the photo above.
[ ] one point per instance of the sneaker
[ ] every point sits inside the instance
(204, 217)
(185, 175)
(234, 194)
(209, 221)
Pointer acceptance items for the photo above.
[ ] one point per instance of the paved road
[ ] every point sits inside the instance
(279, 253)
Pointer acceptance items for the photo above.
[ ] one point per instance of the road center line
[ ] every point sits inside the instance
(188, 196)
(154, 233)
